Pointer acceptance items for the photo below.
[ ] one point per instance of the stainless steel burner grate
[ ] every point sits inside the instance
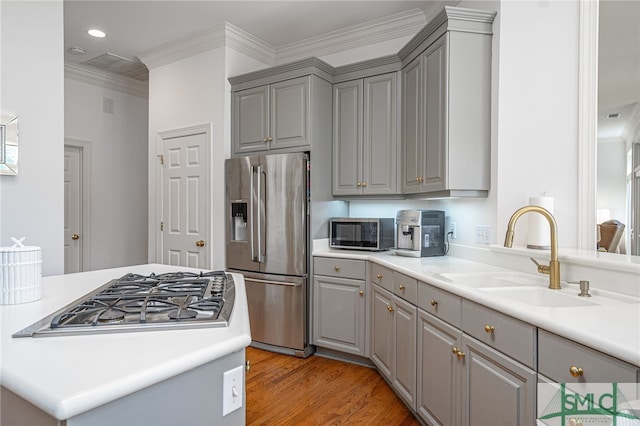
(145, 302)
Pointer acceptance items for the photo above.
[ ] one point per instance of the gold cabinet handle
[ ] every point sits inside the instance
(401, 287)
(364, 184)
(200, 243)
(379, 276)
(75, 237)
(418, 179)
(489, 328)
(457, 352)
(270, 138)
(576, 371)
(361, 293)
(337, 268)
(434, 302)
(389, 308)
(265, 140)
(358, 184)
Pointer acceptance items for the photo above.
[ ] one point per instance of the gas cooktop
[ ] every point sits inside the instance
(144, 302)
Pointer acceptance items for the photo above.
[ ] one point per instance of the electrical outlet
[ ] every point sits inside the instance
(232, 390)
(482, 234)
(452, 230)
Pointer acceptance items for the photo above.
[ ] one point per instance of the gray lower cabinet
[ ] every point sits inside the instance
(463, 381)
(339, 305)
(393, 341)
(439, 392)
(365, 158)
(272, 117)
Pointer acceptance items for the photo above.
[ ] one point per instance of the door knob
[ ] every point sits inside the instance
(75, 237)
(200, 243)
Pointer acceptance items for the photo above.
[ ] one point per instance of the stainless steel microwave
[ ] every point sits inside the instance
(374, 234)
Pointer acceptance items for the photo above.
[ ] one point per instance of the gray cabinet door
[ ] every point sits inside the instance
(382, 331)
(379, 156)
(498, 390)
(404, 344)
(435, 68)
(439, 392)
(412, 146)
(339, 310)
(347, 138)
(290, 109)
(251, 120)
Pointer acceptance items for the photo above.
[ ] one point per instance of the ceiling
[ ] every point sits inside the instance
(134, 27)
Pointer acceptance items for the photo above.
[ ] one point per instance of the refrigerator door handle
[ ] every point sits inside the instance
(252, 207)
(257, 197)
(296, 284)
(262, 246)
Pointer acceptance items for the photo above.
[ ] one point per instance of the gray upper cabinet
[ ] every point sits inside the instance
(272, 117)
(365, 147)
(446, 98)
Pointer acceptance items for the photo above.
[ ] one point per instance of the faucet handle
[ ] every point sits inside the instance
(543, 269)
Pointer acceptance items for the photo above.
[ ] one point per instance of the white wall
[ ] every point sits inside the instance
(118, 171)
(195, 91)
(31, 86)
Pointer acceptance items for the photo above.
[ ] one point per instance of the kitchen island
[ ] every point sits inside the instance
(150, 377)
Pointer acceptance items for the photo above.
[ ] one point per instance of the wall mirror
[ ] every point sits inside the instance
(619, 122)
(609, 133)
(8, 145)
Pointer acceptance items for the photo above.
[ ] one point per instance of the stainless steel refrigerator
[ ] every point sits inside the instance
(267, 230)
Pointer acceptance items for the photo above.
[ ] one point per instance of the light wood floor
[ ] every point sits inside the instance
(284, 390)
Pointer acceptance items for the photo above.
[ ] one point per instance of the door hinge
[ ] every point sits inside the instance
(161, 156)
(162, 226)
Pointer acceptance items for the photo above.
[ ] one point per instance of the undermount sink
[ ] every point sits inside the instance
(539, 296)
(545, 297)
(495, 279)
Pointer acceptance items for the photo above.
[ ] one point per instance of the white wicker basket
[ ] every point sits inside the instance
(20, 273)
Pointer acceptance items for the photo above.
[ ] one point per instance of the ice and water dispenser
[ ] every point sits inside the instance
(239, 222)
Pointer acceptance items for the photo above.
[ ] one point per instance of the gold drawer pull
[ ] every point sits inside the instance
(389, 308)
(489, 329)
(434, 302)
(379, 276)
(576, 371)
(337, 268)
(361, 293)
(401, 287)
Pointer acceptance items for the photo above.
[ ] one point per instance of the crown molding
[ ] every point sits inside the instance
(184, 47)
(395, 26)
(240, 40)
(107, 80)
(221, 35)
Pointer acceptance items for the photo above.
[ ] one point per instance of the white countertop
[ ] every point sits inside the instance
(613, 329)
(68, 375)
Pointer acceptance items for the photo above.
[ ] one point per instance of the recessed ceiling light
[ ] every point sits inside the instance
(97, 33)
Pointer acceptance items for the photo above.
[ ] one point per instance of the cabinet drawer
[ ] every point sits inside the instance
(440, 303)
(507, 334)
(382, 276)
(405, 287)
(557, 355)
(343, 268)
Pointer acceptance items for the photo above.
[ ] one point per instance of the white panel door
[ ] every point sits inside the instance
(184, 201)
(72, 209)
